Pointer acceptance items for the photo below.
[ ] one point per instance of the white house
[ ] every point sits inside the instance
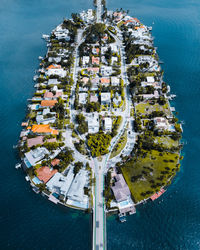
(93, 123)
(86, 60)
(59, 72)
(34, 156)
(105, 98)
(83, 98)
(107, 124)
(115, 81)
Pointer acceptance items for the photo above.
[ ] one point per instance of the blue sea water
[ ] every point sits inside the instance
(27, 220)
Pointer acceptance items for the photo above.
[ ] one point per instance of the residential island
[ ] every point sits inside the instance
(100, 134)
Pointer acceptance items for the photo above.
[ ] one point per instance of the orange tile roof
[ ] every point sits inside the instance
(95, 60)
(55, 162)
(43, 128)
(44, 173)
(54, 67)
(48, 103)
(105, 80)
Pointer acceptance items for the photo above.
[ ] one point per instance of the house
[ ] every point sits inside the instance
(76, 191)
(44, 174)
(41, 120)
(61, 33)
(95, 51)
(85, 80)
(93, 70)
(83, 98)
(150, 79)
(95, 60)
(104, 49)
(93, 97)
(105, 81)
(56, 70)
(44, 129)
(34, 156)
(48, 103)
(60, 184)
(93, 123)
(86, 60)
(55, 162)
(35, 141)
(115, 81)
(95, 83)
(120, 189)
(107, 124)
(114, 47)
(161, 123)
(53, 82)
(114, 60)
(105, 98)
(49, 95)
(106, 70)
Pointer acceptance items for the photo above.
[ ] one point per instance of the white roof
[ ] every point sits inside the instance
(82, 98)
(150, 79)
(76, 191)
(105, 97)
(36, 155)
(60, 182)
(59, 72)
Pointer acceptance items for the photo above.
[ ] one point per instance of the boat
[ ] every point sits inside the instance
(18, 165)
(27, 178)
(46, 37)
(40, 57)
(35, 77)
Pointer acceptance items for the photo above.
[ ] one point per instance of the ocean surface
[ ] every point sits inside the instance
(27, 220)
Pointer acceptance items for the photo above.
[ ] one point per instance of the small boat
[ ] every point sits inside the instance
(18, 165)
(27, 178)
(35, 77)
(45, 36)
(40, 57)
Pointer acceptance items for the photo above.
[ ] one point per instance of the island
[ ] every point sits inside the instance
(100, 133)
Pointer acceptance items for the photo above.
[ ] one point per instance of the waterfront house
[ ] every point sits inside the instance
(60, 184)
(76, 194)
(44, 174)
(34, 156)
(48, 103)
(35, 141)
(44, 129)
(53, 82)
(161, 123)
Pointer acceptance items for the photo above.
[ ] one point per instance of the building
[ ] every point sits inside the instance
(48, 103)
(93, 97)
(60, 184)
(43, 129)
(105, 81)
(86, 60)
(107, 124)
(161, 123)
(53, 82)
(115, 81)
(83, 98)
(44, 174)
(114, 60)
(122, 195)
(105, 98)
(76, 191)
(95, 60)
(106, 70)
(93, 123)
(34, 156)
(41, 120)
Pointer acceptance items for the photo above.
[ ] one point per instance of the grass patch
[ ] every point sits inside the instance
(147, 173)
(120, 145)
(146, 108)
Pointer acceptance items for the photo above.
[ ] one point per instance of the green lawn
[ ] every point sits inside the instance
(147, 171)
(120, 145)
(166, 141)
(146, 108)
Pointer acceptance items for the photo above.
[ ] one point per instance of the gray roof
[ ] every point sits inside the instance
(120, 189)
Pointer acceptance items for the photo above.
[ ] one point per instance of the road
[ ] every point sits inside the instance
(99, 11)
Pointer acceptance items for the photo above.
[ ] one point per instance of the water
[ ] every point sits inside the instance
(27, 220)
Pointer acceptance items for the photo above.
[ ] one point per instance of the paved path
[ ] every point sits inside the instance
(99, 11)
